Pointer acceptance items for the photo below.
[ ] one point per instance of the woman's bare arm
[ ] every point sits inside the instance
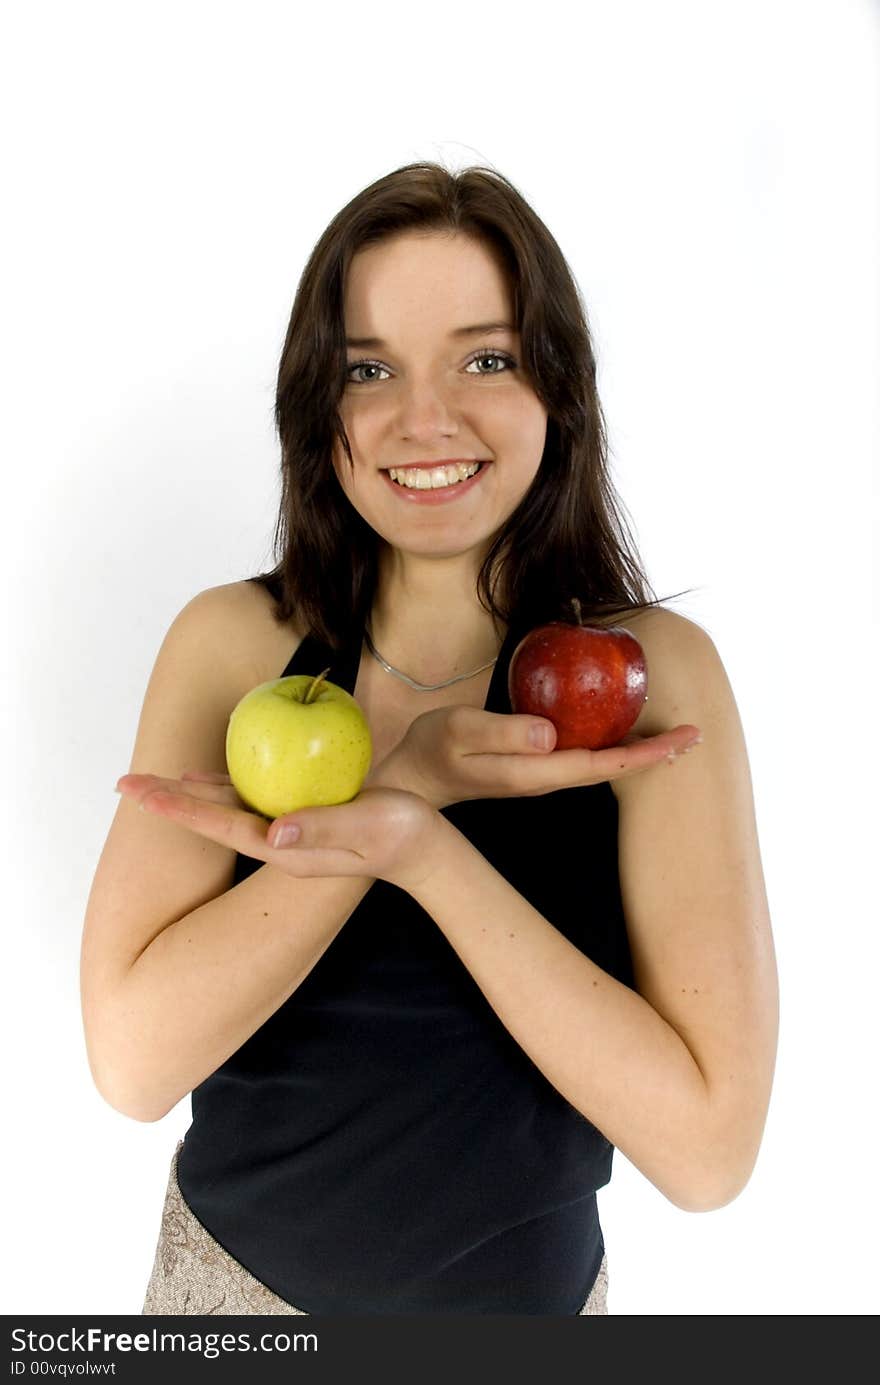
(206, 983)
(178, 967)
(677, 1073)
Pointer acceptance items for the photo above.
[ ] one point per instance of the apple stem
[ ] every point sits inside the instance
(576, 607)
(314, 687)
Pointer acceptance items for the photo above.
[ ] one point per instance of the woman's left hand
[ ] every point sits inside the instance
(383, 834)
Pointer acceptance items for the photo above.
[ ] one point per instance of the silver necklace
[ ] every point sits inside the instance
(411, 682)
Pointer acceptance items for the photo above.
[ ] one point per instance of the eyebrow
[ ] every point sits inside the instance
(484, 328)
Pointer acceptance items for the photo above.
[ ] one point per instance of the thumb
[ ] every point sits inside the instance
(534, 733)
(330, 825)
(310, 826)
(502, 733)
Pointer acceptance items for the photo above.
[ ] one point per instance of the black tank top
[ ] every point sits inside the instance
(382, 1144)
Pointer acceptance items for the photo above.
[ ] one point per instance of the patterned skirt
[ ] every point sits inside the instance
(193, 1274)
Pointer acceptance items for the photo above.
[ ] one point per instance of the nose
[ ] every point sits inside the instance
(425, 408)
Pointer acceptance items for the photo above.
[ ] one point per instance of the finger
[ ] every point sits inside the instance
(502, 733)
(205, 776)
(328, 828)
(137, 785)
(619, 760)
(246, 833)
(216, 790)
(313, 841)
(227, 825)
(571, 768)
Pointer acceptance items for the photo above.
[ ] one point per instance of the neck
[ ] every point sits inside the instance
(426, 618)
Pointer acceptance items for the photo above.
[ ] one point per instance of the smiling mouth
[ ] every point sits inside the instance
(433, 478)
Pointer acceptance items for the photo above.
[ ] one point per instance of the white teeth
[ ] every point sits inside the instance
(423, 478)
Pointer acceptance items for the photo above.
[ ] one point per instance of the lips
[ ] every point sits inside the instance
(434, 478)
(442, 494)
(439, 461)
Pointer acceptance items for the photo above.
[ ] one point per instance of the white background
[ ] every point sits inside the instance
(710, 172)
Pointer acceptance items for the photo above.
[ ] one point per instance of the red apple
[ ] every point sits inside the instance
(591, 681)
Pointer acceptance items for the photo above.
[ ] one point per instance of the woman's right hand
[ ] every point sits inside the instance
(456, 753)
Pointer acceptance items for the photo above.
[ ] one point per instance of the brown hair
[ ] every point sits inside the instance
(566, 538)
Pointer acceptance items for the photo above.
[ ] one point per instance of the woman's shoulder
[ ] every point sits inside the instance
(653, 620)
(240, 617)
(678, 652)
(664, 630)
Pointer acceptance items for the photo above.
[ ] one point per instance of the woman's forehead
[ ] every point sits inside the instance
(456, 283)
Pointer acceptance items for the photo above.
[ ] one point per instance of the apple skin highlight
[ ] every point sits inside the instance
(590, 681)
(284, 752)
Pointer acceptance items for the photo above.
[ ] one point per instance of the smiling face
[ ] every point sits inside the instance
(424, 390)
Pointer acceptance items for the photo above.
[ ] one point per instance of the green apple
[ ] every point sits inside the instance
(297, 742)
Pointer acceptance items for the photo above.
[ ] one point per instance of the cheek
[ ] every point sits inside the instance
(348, 473)
(525, 432)
(521, 413)
(351, 483)
(345, 472)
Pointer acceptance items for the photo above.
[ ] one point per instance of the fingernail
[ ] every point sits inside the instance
(541, 736)
(286, 835)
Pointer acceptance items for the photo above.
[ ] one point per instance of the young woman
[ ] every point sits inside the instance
(415, 1034)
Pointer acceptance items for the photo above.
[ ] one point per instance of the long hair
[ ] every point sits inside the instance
(566, 538)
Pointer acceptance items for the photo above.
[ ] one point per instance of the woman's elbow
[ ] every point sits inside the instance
(714, 1185)
(708, 1199)
(118, 1094)
(126, 1105)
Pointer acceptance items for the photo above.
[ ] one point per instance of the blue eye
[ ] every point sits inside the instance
(485, 353)
(359, 365)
